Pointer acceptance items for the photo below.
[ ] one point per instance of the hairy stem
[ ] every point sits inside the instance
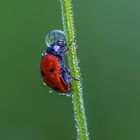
(77, 96)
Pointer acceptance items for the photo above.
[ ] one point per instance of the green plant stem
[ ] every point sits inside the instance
(77, 96)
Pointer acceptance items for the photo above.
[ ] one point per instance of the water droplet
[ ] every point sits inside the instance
(44, 83)
(76, 126)
(61, 94)
(54, 36)
(50, 90)
(68, 94)
(42, 54)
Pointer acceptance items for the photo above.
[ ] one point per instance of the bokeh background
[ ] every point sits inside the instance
(108, 35)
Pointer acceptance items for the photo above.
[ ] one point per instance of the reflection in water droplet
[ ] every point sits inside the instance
(54, 36)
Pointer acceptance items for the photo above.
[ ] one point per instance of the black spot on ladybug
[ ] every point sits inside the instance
(51, 69)
(42, 73)
(56, 88)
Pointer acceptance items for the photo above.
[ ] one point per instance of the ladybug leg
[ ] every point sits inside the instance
(71, 75)
(66, 50)
(75, 78)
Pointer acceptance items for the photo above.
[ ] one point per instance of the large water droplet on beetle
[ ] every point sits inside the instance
(54, 36)
(50, 90)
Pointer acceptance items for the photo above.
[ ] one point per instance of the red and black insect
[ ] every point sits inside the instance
(52, 68)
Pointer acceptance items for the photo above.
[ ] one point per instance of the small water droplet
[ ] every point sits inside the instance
(76, 125)
(68, 94)
(62, 94)
(50, 90)
(44, 83)
(78, 60)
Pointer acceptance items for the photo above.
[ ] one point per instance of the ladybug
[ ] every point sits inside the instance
(53, 71)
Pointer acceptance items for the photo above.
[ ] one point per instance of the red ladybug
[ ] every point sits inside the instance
(55, 74)
(53, 71)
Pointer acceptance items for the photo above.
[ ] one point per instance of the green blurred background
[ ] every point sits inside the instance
(108, 35)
